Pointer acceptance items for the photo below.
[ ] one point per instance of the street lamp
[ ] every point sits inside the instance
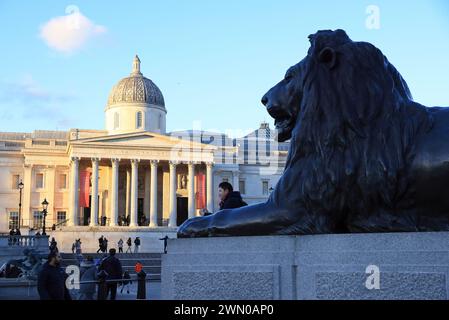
(20, 203)
(44, 213)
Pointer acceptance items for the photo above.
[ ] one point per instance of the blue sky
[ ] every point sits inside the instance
(213, 60)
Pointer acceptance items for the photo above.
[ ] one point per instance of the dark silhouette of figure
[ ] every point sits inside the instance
(51, 280)
(113, 268)
(165, 243)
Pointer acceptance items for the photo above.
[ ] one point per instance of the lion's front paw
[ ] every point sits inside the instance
(195, 227)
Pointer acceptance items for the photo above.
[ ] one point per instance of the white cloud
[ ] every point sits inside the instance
(69, 33)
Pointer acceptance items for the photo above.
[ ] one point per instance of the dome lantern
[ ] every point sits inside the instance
(136, 66)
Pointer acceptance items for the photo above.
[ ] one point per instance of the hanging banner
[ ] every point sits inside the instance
(84, 189)
(201, 190)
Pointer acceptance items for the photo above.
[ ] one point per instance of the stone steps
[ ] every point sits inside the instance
(151, 262)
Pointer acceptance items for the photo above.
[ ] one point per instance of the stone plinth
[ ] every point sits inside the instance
(411, 266)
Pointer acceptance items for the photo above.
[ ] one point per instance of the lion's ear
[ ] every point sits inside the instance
(328, 56)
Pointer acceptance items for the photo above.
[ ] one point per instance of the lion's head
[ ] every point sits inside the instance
(352, 124)
(330, 71)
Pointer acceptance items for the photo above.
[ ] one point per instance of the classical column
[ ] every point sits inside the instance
(134, 191)
(74, 186)
(191, 187)
(235, 175)
(94, 194)
(26, 202)
(153, 198)
(209, 187)
(128, 192)
(146, 197)
(114, 192)
(172, 222)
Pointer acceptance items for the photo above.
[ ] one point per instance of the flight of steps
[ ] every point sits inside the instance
(151, 262)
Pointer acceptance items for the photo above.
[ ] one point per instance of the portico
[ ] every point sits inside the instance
(156, 163)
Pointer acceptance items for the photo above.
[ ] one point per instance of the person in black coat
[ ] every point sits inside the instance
(51, 280)
(100, 244)
(230, 199)
(136, 245)
(53, 245)
(113, 267)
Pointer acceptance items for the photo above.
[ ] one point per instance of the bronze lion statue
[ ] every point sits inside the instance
(364, 157)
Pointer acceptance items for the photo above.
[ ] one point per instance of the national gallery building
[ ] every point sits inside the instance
(132, 177)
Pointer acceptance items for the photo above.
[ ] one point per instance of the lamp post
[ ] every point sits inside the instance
(44, 213)
(20, 203)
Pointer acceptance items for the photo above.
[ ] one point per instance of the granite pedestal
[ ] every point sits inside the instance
(328, 267)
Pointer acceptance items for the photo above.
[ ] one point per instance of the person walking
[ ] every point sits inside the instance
(78, 247)
(100, 244)
(53, 245)
(136, 245)
(51, 280)
(120, 245)
(113, 268)
(105, 245)
(78, 251)
(88, 272)
(129, 243)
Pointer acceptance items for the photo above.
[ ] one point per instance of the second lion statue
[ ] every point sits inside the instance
(363, 157)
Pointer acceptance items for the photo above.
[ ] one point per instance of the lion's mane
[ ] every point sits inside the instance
(353, 142)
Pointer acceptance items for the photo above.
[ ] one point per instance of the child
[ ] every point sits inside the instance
(126, 282)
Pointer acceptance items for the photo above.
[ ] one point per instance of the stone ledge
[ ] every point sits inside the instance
(412, 266)
(115, 229)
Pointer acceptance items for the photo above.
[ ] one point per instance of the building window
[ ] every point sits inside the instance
(159, 123)
(62, 181)
(116, 120)
(39, 180)
(15, 181)
(242, 186)
(37, 219)
(13, 220)
(139, 120)
(61, 217)
(265, 187)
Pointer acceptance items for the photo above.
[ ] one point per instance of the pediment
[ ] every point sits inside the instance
(141, 139)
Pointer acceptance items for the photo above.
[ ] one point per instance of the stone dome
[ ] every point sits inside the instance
(136, 89)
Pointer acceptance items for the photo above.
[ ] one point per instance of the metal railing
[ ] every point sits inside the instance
(24, 241)
(102, 289)
(60, 223)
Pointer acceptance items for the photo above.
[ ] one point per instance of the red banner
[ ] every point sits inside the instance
(201, 193)
(84, 189)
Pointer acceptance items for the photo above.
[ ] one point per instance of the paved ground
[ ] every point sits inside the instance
(30, 293)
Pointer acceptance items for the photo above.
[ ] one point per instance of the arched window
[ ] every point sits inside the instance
(116, 120)
(139, 120)
(159, 123)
